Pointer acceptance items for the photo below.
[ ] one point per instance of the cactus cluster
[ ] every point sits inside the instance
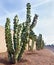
(21, 36)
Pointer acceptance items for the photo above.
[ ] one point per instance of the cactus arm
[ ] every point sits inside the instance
(34, 21)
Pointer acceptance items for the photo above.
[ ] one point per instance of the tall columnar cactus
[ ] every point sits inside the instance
(20, 28)
(39, 42)
(8, 39)
(25, 31)
(16, 38)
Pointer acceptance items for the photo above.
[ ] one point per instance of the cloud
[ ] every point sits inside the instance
(42, 2)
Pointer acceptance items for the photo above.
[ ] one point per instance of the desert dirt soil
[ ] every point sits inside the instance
(42, 57)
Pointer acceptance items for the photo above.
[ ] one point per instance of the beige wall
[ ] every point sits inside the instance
(2, 40)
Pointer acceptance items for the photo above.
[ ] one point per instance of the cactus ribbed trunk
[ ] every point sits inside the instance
(16, 39)
(8, 39)
(15, 31)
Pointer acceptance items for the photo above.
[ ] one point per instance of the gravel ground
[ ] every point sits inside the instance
(42, 57)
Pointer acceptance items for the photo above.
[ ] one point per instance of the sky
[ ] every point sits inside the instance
(44, 9)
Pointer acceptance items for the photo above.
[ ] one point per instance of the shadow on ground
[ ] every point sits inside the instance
(4, 61)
